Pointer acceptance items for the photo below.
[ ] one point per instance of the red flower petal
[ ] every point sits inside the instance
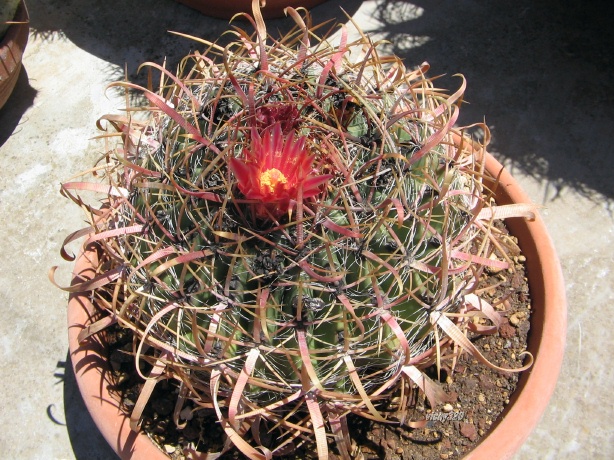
(311, 186)
(275, 167)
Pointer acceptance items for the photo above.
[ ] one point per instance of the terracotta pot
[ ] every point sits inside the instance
(546, 343)
(91, 372)
(227, 9)
(548, 327)
(11, 50)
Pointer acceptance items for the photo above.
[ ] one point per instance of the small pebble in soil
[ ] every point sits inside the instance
(516, 318)
(507, 331)
(468, 431)
(186, 413)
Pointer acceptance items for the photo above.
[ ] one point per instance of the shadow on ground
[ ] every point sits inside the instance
(85, 438)
(20, 100)
(131, 32)
(547, 63)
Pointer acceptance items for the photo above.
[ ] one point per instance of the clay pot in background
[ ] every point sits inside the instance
(11, 51)
(226, 9)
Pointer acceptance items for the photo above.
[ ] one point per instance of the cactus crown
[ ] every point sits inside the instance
(286, 227)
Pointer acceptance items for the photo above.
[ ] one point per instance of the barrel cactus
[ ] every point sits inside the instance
(288, 225)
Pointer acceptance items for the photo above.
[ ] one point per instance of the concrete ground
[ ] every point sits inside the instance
(538, 71)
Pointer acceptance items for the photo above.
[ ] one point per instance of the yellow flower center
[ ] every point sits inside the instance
(270, 178)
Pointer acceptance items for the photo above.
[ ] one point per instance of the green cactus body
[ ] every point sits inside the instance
(369, 229)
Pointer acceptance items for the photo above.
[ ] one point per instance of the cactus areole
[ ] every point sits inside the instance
(293, 233)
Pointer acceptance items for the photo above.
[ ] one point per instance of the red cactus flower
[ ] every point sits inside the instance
(274, 169)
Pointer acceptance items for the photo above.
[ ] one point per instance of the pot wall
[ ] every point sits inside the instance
(548, 327)
(11, 51)
(91, 369)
